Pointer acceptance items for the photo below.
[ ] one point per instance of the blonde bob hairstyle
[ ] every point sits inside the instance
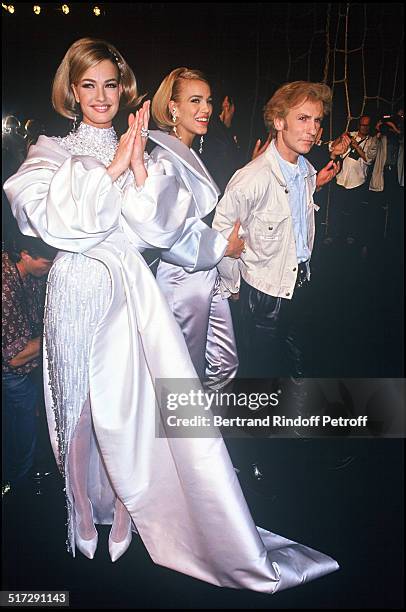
(293, 94)
(170, 89)
(82, 55)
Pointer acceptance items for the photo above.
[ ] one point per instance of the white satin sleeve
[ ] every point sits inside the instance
(157, 211)
(72, 203)
(73, 206)
(198, 247)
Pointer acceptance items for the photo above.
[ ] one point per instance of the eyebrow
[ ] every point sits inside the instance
(200, 97)
(308, 116)
(106, 81)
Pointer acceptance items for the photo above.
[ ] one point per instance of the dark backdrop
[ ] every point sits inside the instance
(350, 504)
(248, 48)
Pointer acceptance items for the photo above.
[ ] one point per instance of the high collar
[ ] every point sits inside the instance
(100, 143)
(100, 134)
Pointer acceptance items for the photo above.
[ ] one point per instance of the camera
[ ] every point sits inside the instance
(386, 120)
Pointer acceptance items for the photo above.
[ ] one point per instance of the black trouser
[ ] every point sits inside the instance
(392, 200)
(272, 331)
(274, 335)
(351, 212)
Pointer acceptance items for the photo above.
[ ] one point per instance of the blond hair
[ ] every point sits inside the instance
(170, 89)
(293, 94)
(82, 55)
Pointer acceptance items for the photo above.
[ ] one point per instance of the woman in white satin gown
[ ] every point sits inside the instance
(109, 334)
(187, 272)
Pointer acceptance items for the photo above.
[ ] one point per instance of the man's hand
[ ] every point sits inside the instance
(258, 150)
(30, 352)
(327, 173)
(392, 127)
(235, 244)
(340, 145)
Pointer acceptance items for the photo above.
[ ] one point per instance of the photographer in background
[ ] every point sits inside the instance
(359, 151)
(387, 174)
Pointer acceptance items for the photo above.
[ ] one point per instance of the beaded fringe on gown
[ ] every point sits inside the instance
(78, 293)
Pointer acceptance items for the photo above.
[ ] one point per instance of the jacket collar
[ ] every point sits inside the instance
(185, 155)
(271, 156)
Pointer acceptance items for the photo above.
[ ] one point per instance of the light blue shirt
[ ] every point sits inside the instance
(294, 175)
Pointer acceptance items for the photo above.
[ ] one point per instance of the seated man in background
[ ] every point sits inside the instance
(25, 266)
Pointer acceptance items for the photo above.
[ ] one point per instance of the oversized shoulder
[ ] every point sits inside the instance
(166, 161)
(158, 153)
(49, 151)
(171, 150)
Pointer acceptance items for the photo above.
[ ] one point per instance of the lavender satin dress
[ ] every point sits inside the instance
(187, 273)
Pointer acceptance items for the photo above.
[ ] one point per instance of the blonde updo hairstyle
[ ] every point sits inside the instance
(293, 94)
(170, 89)
(82, 55)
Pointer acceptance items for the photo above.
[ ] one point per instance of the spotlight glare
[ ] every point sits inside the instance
(97, 11)
(65, 9)
(37, 9)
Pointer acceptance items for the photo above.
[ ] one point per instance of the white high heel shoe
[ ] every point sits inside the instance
(116, 549)
(86, 547)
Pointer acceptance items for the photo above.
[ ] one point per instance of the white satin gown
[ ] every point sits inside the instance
(182, 493)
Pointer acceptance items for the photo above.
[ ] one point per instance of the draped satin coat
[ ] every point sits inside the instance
(187, 272)
(199, 247)
(182, 493)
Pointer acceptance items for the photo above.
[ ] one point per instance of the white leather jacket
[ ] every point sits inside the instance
(258, 196)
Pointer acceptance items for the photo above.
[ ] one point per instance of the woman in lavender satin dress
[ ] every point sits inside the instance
(187, 272)
(109, 335)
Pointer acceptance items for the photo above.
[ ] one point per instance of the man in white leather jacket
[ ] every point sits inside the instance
(272, 196)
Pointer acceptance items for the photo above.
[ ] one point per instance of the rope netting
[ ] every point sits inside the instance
(356, 48)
